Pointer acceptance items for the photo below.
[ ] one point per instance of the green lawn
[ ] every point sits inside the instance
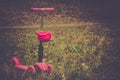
(74, 51)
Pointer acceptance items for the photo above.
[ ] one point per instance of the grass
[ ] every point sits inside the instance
(74, 51)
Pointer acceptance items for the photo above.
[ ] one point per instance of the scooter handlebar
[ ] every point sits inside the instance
(42, 9)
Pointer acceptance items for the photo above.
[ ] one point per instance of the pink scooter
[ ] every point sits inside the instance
(43, 36)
